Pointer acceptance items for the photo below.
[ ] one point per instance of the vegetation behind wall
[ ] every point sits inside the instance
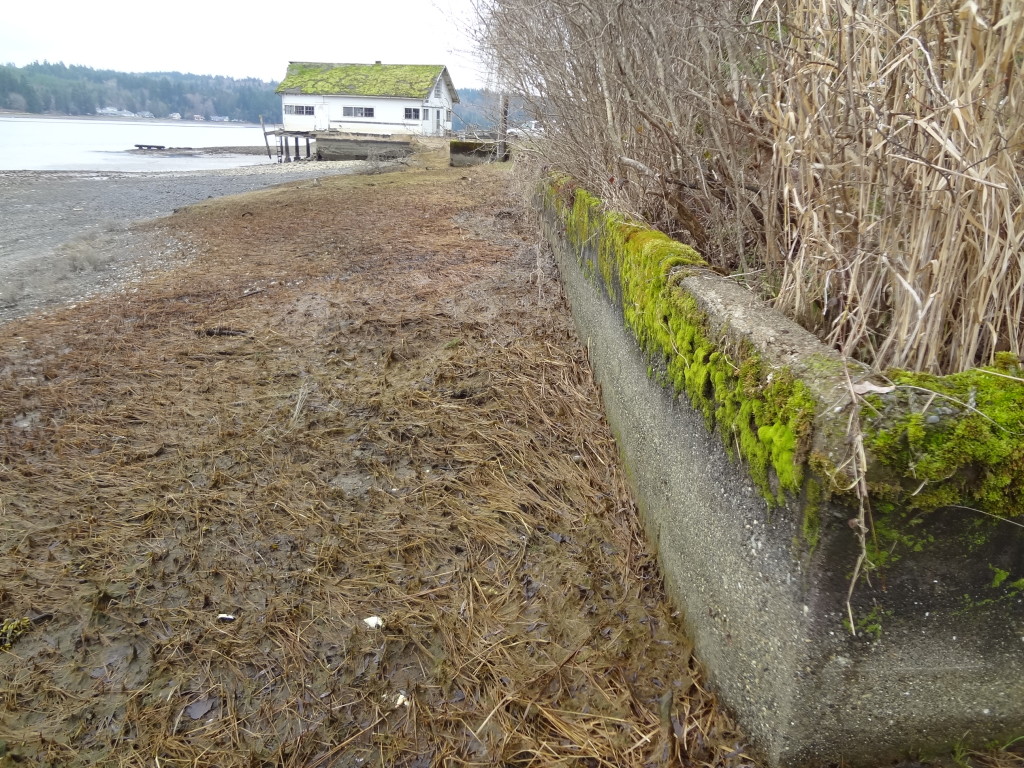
(859, 163)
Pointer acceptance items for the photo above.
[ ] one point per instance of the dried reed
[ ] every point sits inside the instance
(899, 138)
(859, 162)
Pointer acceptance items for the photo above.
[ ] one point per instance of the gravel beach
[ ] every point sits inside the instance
(68, 235)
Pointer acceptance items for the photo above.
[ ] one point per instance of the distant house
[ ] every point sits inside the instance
(380, 99)
(114, 112)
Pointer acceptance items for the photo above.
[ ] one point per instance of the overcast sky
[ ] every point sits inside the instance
(226, 37)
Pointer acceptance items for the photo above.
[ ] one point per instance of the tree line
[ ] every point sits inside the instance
(56, 88)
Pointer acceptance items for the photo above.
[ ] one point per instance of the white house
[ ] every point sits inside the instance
(379, 99)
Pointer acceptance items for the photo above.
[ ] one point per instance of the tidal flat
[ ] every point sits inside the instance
(67, 235)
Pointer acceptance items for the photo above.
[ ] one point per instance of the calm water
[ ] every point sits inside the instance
(76, 144)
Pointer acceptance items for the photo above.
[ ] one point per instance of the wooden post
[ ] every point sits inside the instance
(503, 128)
(307, 147)
(265, 139)
(297, 155)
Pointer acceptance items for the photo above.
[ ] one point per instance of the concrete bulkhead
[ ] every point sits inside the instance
(732, 422)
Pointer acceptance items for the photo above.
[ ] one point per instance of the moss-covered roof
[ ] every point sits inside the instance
(409, 81)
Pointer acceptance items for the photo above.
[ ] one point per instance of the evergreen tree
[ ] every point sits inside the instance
(55, 87)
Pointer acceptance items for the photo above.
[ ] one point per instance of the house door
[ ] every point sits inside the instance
(437, 122)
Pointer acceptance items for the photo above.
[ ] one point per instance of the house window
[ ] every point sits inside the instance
(437, 90)
(298, 109)
(426, 114)
(412, 113)
(357, 111)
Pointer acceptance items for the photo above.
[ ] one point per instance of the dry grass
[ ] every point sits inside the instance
(899, 170)
(362, 398)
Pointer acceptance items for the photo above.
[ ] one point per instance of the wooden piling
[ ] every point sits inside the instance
(502, 148)
(265, 139)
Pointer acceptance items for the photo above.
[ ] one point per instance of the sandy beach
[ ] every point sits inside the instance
(66, 235)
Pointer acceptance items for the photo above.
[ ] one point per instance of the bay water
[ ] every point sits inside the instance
(43, 143)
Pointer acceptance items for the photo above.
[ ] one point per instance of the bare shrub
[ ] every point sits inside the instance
(659, 130)
(86, 254)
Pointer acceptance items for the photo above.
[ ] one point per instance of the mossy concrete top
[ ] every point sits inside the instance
(772, 391)
(743, 325)
(787, 403)
(405, 81)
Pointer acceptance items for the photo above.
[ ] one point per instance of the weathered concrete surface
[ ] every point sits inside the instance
(765, 610)
(465, 153)
(343, 147)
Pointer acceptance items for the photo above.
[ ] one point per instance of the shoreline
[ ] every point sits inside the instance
(258, 154)
(116, 118)
(201, 151)
(70, 235)
(294, 168)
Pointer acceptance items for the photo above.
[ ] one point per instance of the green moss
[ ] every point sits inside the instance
(764, 415)
(954, 440)
(810, 527)
(1002, 591)
(825, 364)
(1000, 576)
(945, 441)
(411, 81)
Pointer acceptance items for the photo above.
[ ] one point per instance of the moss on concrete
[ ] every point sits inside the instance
(945, 441)
(999, 593)
(952, 440)
(763, 415)
(934, 442)
(471, 147)
(814, 496)
(870, 624)
(409, 81)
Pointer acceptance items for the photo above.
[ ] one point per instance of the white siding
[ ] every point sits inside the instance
(315, 122)
(388, 115)
(439, 98)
